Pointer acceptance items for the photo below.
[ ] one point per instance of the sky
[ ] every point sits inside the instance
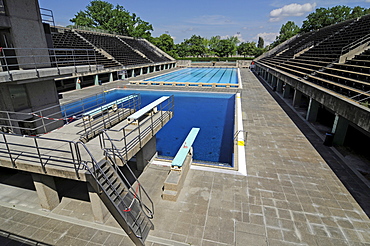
(245, 19)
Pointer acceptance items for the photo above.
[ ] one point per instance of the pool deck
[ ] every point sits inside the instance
(291, 196)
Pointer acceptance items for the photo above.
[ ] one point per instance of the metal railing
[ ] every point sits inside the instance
(38, 58)
(108, 118)
(47, 16)
(45, 120)
(355, 44)
(143, 129)
(29, 149)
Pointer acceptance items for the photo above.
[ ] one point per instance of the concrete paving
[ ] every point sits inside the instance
(291, 196)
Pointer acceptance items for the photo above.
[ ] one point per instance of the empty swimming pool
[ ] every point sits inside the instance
(215, 77)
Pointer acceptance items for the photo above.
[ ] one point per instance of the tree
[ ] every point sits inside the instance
(287, 31)
(247, 49)
(323, 17)
(103, 15)
(165, 43)
(196, 45)
(223, 47)
(261, 43)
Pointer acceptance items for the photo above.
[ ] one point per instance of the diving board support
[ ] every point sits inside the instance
(180, 167)
(150, 108)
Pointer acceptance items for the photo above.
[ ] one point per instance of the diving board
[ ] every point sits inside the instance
(185, 148)
(152, 106)
(114, 105)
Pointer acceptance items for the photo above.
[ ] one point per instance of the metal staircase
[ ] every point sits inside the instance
(122, 200)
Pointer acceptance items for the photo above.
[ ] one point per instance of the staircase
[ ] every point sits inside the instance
(122, 200)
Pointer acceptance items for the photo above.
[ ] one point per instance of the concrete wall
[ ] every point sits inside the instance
(27, 30)
(352, 111)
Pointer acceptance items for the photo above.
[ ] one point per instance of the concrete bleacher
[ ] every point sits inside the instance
(67, 39)
(142, 47)
(116, 48)
(315, 57)
(110, 50)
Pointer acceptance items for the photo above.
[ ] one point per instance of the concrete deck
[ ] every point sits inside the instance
(291, 196)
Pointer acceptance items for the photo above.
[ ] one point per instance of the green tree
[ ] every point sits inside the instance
(196, 46)
(287, 31)
(247, 49)
(323, 17)
(103, 15)
(165, 43)
(223, 47)
(261, 43)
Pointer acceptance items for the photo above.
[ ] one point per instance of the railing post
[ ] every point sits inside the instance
(10, 154)
(39, 154)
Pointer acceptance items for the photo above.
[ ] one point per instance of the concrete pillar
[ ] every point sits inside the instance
(110, 77)
(96, 79)
(274, 82)
(286, 91)
(297, 98)
(146, 154)
(78, 83)
(339, 129)
(99, 210)
(279, 85)
(141, 71)
(46, 191)
(313, 110)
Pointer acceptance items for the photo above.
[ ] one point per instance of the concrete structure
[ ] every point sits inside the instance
(291, 196)
(57, 190)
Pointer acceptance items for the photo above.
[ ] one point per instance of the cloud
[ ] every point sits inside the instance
(293, 9)
(211, 20)
(238, 35)
(268, 37)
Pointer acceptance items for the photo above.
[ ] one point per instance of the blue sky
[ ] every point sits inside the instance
(181, 19)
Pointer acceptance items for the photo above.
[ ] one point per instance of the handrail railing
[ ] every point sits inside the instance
(47, 16)
(165, 109)
(32, 149)
(40, 58)
(355, 44)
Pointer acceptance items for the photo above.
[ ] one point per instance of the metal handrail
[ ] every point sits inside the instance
(39, 149)
(167, 108)
(108, 118)
(355, 44)
(40, 58)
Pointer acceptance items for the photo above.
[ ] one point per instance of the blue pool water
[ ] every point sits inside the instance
(200, 75)
(213, 113)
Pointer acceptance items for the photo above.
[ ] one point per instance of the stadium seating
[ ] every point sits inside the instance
(110, 50)
(315, 57)
(67, 39)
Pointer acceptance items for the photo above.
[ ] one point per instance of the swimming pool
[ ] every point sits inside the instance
(212, 77)
(203, 75)
(213, 113)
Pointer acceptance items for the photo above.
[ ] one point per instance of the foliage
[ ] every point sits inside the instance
(223, 47)
(261, 43)
(103, 15)
(287, 31)
(323, 17)
(247, 49)
(196, 46)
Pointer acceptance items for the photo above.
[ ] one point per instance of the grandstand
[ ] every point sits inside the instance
(328, 71)
(65, 181)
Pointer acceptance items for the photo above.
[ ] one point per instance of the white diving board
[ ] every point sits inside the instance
(146, 109)
(89, 114)
(185, 148)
